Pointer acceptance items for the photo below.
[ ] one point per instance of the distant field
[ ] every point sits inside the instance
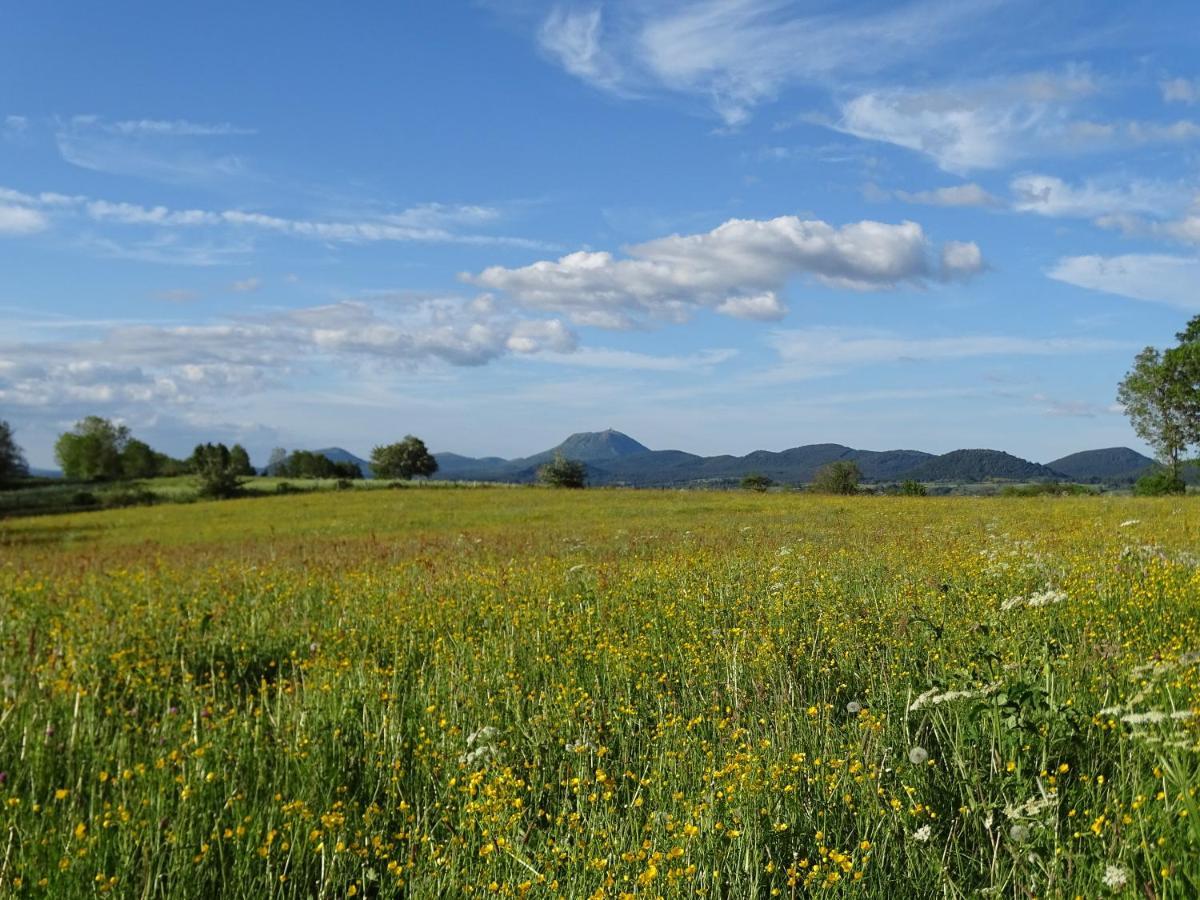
(523, 692)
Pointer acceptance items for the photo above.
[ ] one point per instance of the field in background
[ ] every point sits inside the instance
(499, 692)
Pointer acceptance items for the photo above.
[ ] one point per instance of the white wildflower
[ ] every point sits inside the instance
(922, 834)
(1126, 524)
(1115, 877)
(486, 733)
(1153, 717)
(1045, 598)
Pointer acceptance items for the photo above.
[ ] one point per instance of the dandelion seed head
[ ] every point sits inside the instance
(854, 707)
(918, 756)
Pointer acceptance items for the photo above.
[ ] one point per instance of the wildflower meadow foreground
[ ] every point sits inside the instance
(523, 692)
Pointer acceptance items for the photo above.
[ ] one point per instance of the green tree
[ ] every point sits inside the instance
(563, 473)
(911, 488)
(405, 459)
(240, 460)
(91, 451)
(138, 460)
(12, 460)
(1160, 397)
(216, 470)
(839, 477)
(756, 481)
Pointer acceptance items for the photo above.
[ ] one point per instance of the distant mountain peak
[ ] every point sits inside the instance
(591, 446)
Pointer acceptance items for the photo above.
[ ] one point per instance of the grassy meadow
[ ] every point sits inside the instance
(523, 692)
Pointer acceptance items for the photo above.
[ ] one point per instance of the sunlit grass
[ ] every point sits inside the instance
(433, 693)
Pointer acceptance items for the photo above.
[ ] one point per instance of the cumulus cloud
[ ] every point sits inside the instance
(962, 259)
(186, 364)
(969, 194)
(1157, 278)
(21, 220)
(738, 269)
(990, 124)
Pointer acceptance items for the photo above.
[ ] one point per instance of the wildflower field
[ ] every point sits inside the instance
(498, 692)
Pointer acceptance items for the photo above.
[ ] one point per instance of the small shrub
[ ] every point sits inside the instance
(129, 496)
(286, 487)
(84, 498)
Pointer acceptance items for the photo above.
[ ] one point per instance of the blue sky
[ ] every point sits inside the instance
(716, 226)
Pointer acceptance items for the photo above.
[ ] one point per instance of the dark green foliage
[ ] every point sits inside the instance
(128, 496)
(138, 460)
(563, 473)
(92, 450)
(12, 460)
(755, 481)
(310, 464)
(980, 465)
(240, 460)
(406, 459)
(1159, 482)
(216, 471)
(840, 477)
(911, 488)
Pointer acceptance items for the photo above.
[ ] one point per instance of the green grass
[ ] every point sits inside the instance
(525, 692)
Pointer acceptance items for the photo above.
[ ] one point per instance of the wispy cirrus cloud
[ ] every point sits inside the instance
(1154, 277)
(738, 54)
(430, 223)
(738, 269)
(992, 123)
(966, 195)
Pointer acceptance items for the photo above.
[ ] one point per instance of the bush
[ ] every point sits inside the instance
(912, 488)
(1159, 483)
(84, 498)
(129, 496)
(564, 473)
(286, 487)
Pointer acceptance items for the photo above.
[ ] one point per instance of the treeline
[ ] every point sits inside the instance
(307, 464)
(97, 449)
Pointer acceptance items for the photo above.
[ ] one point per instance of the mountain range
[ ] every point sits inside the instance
(613, 458)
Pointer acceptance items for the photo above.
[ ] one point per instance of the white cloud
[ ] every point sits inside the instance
(765, 307)
(962, 259)
(737, 54)
(171, 128)
(21, 220)
(572, 37)
(1158, 278)
(969, 194)
(187, 365)
(738, 268)
(990, 124)
(429, 222)
(1180, 90)
(1050, 196)
(246, 285)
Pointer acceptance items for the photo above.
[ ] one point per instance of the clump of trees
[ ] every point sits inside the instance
(562, 472)
(1161, 396)
(404, 459)
(307, 464)
(219, 469)
(911, 488)
(12, 460)
(841, 477)
(756, 481)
